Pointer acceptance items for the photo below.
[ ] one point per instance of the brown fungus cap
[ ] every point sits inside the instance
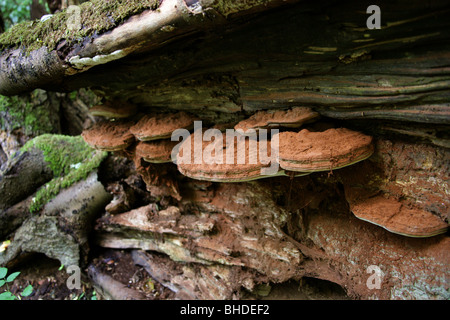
(109, 135)
(113, 109)
(157, 151)
(161, 126)
(292, 118)
(397, 217)
(331, 149)
(235, 171)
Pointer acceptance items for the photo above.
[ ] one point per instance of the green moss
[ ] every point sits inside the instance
(70, 159)
(24, 112)
(227, 7)
(97, 16)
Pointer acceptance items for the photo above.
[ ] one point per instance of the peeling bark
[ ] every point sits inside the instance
(198, 282)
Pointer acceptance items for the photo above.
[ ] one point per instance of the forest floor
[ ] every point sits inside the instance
(49, 281)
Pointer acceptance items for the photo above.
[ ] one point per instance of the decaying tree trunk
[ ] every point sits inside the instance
(223, 61)
(253, 230)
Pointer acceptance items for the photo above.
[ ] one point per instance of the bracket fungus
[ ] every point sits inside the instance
(292, 118)
(113, 109)
(373, 199)
(109, 135)
(161, 126)
(157, 151)
(224, 160)
(398, 218)
(147, 140)
(307, 151)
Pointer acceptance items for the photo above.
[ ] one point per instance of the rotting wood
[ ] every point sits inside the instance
(241, 236)
(61, 230)
(149, 30)
(314, 235)
(199, 282)
(323, 56)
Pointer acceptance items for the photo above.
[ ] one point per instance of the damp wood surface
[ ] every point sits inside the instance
(266, 64)
(223, 240)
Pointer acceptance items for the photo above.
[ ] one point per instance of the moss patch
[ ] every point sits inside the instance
(20, 112)
(70, 159)
(96, 16)
(227, 7)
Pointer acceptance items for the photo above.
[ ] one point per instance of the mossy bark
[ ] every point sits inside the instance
(53, 49)
(23, 117)
(24, 174)
(33, 113)
(61, 230)
(42, 169)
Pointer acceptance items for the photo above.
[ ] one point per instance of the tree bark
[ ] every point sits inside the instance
(224, 63)
(319, 54)
(151, 29)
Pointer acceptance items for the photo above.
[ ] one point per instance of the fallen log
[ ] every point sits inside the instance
(61, 230)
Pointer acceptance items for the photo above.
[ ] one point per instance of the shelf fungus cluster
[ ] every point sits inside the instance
(147, 137)
(248, 154)
(250, 150)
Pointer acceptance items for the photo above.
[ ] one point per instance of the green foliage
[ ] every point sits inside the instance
(15, 11)
(5, 280)
(70, 158)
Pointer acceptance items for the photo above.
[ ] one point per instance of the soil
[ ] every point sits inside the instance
(109, 135)
(161, 126)
(305, 289)
(49, 282)
(322, 151)
(120, 266)
(286, 118)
